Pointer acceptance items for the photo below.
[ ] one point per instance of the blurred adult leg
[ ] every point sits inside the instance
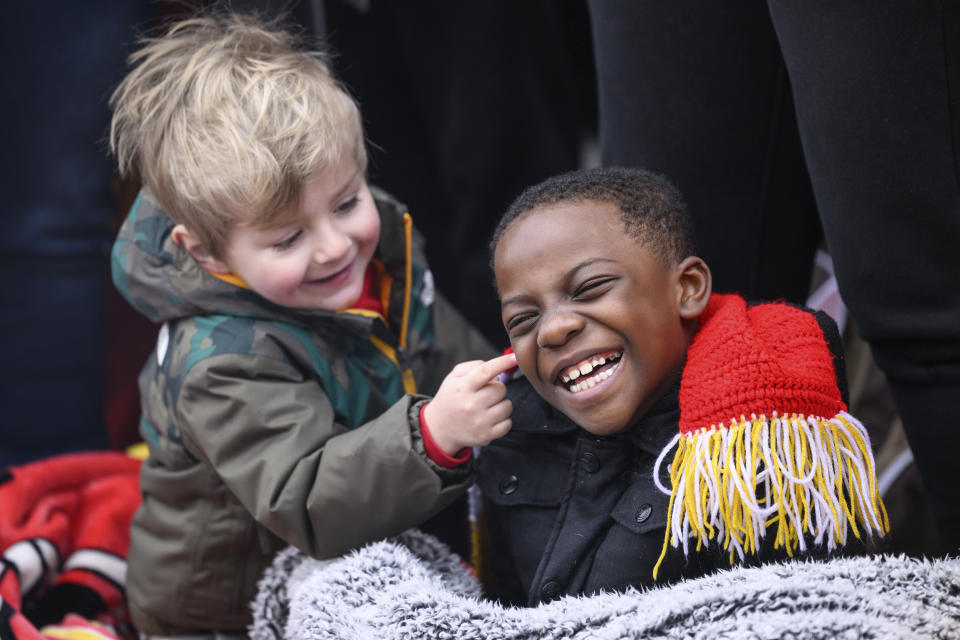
(63, 58)
(466, 103)
(876, 86)
(698, 91)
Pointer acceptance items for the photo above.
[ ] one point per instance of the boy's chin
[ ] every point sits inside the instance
(598, 426)
(346, 298)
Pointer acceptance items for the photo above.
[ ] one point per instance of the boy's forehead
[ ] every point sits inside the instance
(578, 224)
(554, 241)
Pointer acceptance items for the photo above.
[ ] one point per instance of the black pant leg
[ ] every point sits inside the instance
(876, 86)
(466, 103)
(698, 91)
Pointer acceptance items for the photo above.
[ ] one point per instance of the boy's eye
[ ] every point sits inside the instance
(347, 204)
(592, 288)
(518, 321)
(288, 241)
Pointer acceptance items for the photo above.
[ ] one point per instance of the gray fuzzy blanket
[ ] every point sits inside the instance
(413, 587)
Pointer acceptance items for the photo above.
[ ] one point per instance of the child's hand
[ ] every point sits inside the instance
(471, 406)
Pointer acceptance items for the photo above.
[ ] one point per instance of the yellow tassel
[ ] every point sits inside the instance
(793, 474)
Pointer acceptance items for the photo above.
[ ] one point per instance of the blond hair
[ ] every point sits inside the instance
(225, 117)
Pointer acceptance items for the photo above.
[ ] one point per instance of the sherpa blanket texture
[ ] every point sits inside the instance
(413, 587)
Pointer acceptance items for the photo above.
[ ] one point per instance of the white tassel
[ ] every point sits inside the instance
(786, 469)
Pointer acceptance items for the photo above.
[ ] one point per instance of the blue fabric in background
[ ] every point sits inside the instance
(62, 60)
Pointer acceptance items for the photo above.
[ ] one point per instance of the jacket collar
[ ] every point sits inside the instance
(660, 425)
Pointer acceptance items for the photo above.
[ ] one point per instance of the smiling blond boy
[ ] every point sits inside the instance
(287, 400)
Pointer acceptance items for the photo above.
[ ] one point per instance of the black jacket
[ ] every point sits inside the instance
(568, 512)
(582, 511)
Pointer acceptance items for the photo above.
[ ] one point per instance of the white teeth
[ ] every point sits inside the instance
(594, 380)
(586, 368)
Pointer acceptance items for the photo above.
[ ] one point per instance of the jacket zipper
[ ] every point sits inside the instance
(397, 354)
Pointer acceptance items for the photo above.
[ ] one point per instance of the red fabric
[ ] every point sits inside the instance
(370, 295)
(506, 375)
(21, 627)
(71, 509)
(435, 453)
(758, 360)
(73, 626)
(10, 587)
(111, 592)
(58, 496)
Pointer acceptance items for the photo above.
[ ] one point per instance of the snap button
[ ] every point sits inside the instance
(509, 484)
(643, 513)
(550, 590)
(590, 462)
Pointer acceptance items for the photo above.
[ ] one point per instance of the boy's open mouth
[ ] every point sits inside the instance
(331, 277)
(590, 371)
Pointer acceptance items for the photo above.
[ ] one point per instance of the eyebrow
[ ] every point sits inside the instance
(572, 270)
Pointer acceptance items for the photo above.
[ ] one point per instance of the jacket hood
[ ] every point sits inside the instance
(163, 282)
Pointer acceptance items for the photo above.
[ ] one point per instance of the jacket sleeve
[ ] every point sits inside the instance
(272, 437)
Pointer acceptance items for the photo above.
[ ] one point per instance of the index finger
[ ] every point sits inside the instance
(490, 369)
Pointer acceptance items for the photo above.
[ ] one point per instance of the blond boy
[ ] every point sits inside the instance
(299, 327)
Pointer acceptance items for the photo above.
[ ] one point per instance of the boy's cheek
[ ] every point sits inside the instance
(279, 283)
(372, 232)
(367, 229)
(526, 359)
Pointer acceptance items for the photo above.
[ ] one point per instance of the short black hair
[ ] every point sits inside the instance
(651, 208)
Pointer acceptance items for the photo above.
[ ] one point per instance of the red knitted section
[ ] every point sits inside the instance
(770, 357)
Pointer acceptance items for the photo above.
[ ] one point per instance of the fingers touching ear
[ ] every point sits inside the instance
(192, 245)
(695, 286)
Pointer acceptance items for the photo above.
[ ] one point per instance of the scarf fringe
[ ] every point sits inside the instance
(793, 475)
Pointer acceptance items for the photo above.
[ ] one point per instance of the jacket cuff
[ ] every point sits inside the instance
(434, 452)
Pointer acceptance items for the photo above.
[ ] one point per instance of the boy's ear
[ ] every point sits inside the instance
(696, 284)
(192, 245)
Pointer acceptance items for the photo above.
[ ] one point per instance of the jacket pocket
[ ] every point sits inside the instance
(643, 507)
(507, 477)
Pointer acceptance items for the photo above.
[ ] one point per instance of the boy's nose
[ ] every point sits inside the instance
(557, 327)
(332, 246)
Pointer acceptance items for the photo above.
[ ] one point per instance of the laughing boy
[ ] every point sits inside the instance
(659, 431)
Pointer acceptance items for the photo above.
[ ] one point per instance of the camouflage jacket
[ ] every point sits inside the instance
(270, 426)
